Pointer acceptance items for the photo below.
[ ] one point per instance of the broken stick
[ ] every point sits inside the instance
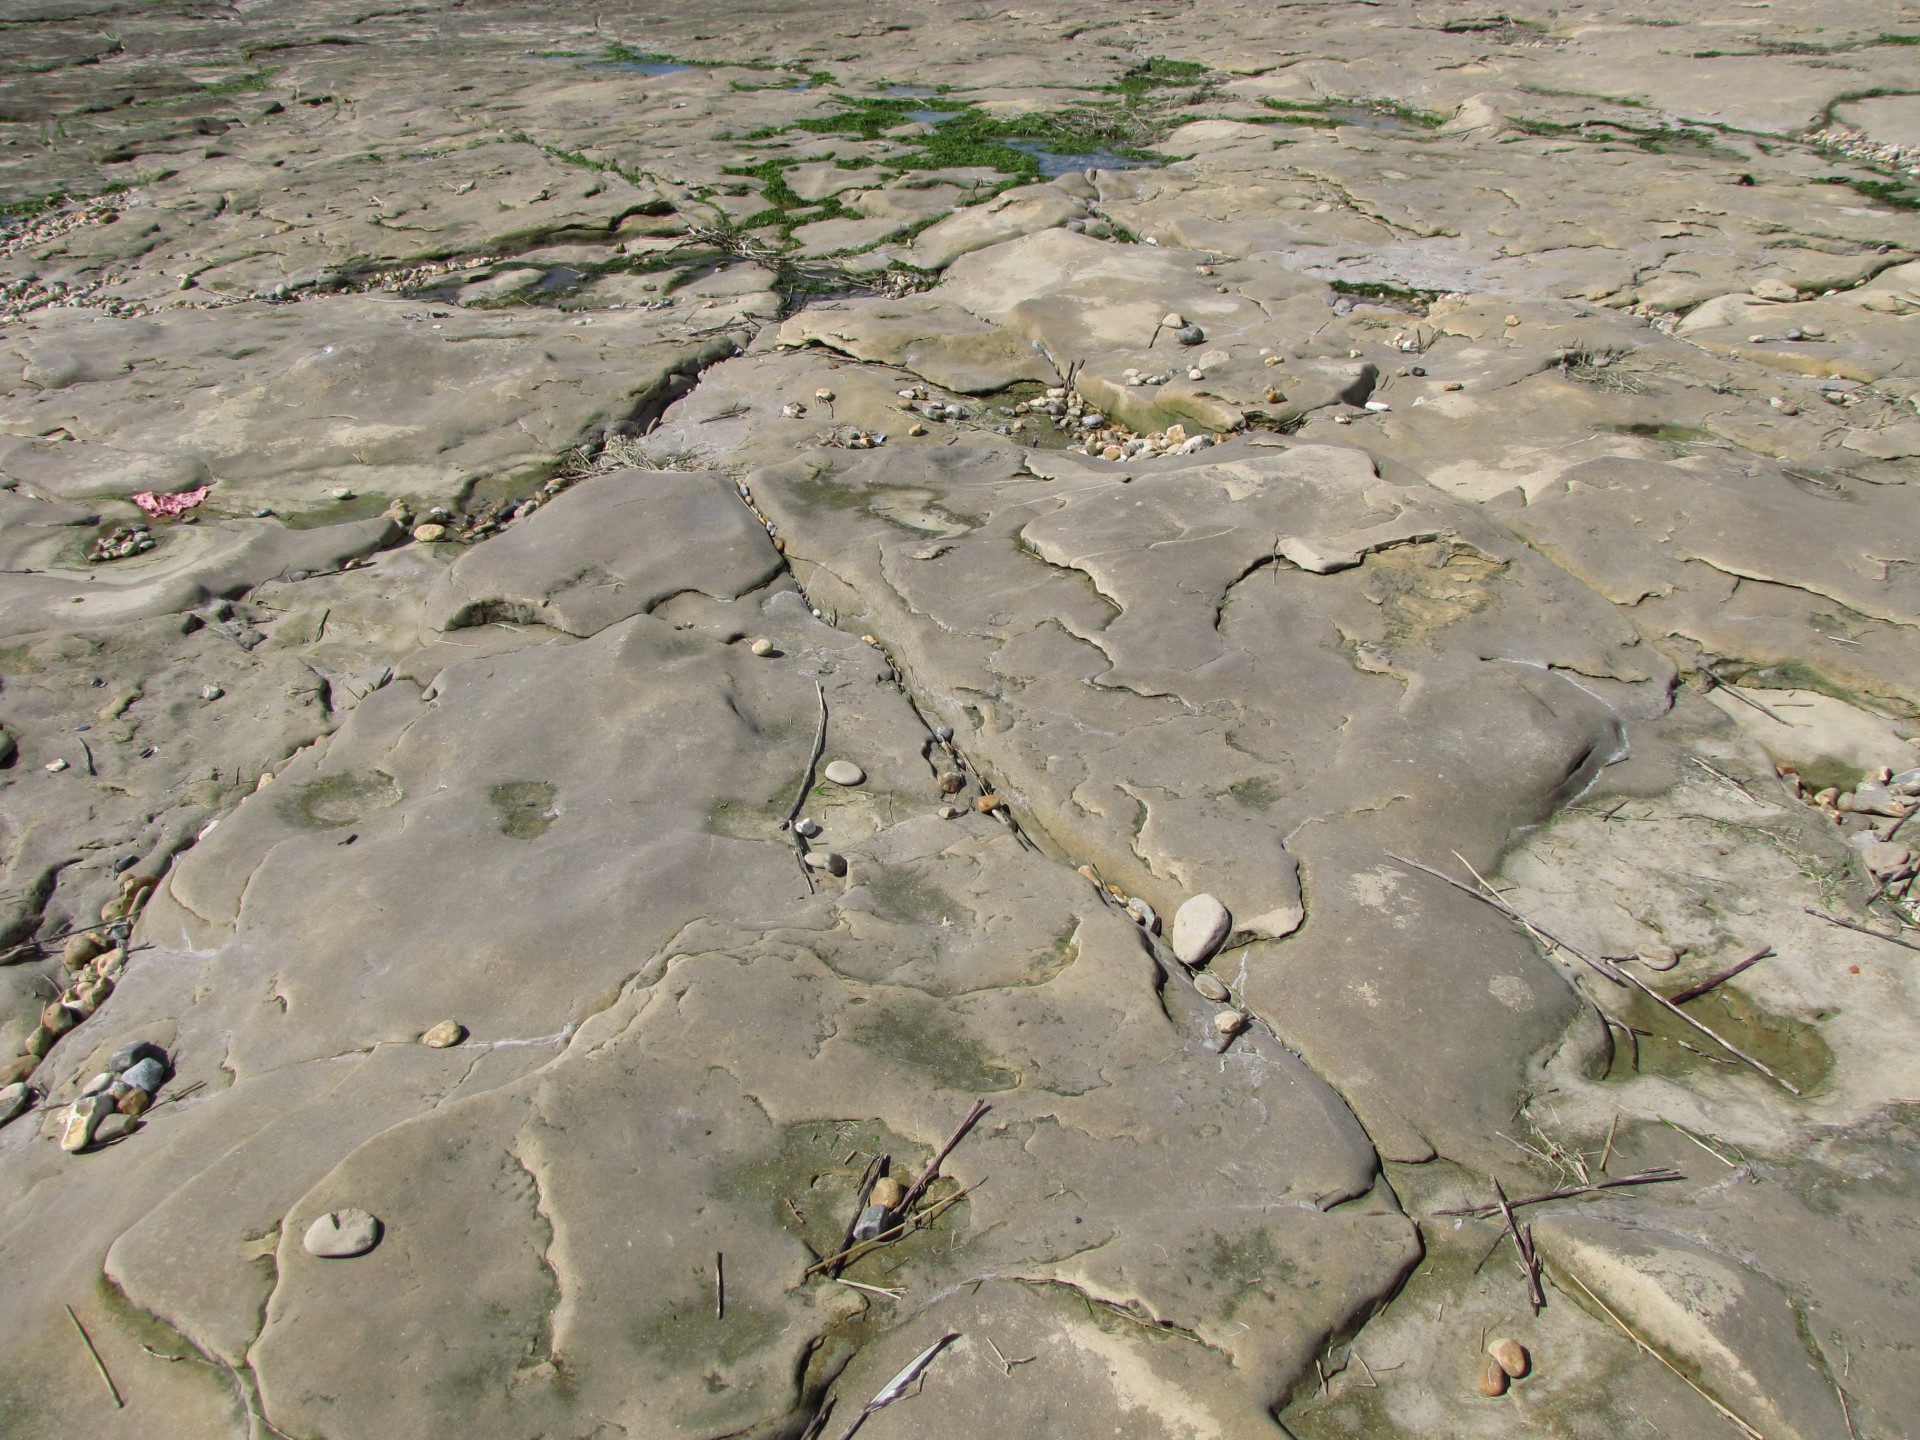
(1694, 992)
(1529, 1263)
(1645, 1177)
(933, 1165)
(98, 1363)
(1849, 925)
(1487, 897)
(1727, 1045)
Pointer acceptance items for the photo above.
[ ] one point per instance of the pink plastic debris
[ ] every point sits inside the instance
(166, 506)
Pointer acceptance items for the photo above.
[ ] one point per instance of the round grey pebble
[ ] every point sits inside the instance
(114, 1127)
(1210, 988)
(844, 772)
(342, 1234)
(943, 733)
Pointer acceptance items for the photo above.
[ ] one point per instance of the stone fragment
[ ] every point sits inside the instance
(82, 1120)
(1229, 1022)
(844, 772)
(135, 1102)
(952, 783)
(342, 1234)
(888, 1192)
(987, 803)
(806, 826)
(1884, 859)
(13, 1099)
(828, 861)
(1144, 915)
(873, 1220)
(446, 1033)
(762, 646)
(1210, 987)
(1658, 957)
(13, 1071)
(1200, 927)
(102, 1081)
(428, 533)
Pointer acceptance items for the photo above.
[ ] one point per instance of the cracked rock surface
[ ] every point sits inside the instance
(1289, 457)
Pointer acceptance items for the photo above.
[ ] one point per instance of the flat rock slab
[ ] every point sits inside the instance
(611, 547)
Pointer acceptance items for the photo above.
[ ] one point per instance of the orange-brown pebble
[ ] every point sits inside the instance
(988, 803)
(1511, 1356)
(1491, 1380)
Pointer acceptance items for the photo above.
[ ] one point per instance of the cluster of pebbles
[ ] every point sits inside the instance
(1106, 439)
(488, 518)
(125, 541)
(95, 960)
(1858, 145)
(1884, 800)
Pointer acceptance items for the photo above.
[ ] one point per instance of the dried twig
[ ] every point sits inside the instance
(1006, 1364)
(1646, 1177)
(719, 1286)
(1739, 694)
(1725, 778)
(897, 1386)
(1607, 1153)
(925, 1217)
(933, 1166)
(1694, 992)
(1725, 1413)
(1849, 925)
(870, 1289)
(806, 778)
(98, 1363)
(1529, 1263)
(1491, 897)
(1727, 1045)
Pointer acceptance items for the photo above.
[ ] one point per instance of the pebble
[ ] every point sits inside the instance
(951, 812)
(81, 950)
(135, 1103)
(342, 1234)
(806, 827)
(873, 1220)
(13, 1099)
(1511, 1356)
(1229, 1022)
(987, 804)
(148, 1075)
(1144, 915)
(888, 1192)
(102, 1081)
(54, 767)
(21, 1067)
(83, 1118)
(211, 692)
(762, 646)
(1491, 1380)
(944, 733)
(844, 772)
(428, 533)
(1658, 957)
(1190, 335)
(1883, 859)
(127, 1056)
(828, 861)
(1200, 927)
(115, 1127)
(952, 783)
(1173, 320)
(1210, 988)
(446, 1033)
(1453, 385)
